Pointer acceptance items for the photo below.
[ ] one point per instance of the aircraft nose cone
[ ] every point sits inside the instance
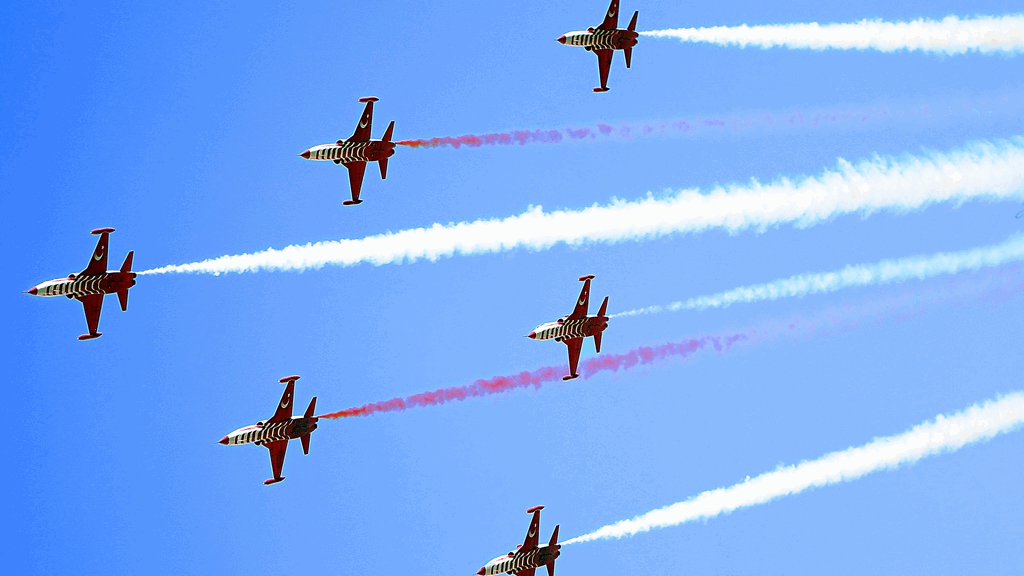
(305, 154)
(532, 335)
(561, 39)
(481, 572)
(33, 290)
(223, 440)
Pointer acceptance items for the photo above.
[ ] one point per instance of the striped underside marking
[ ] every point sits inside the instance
(81, 286)
(523, 561)
(346, 152)
(567, 330)
(598, 39)
(270, 432)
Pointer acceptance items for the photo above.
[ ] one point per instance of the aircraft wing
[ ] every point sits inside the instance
(575, 345)
(362, 133)
(284, 409)
(611, 18)
(604, 64)
(532, 535)
(277, 450)
(355, 178)
(98, 262)
(93, 303)
(583, 302)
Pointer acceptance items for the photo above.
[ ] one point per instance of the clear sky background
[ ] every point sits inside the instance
(179, 125)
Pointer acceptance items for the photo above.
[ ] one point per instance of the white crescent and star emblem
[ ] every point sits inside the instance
(364, 121)
(285, 402)
(582, 300)
(611, 13)
(533, 532)
(98, 256)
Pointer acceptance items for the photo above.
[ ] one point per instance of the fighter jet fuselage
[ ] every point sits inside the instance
(565, 329)
(76, 285)
(262, 432)
(518, 561)
(597, 39)
(344, 151)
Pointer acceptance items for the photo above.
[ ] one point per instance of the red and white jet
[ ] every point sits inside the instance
(90, 285)
(604, 40)
(526, 558)
(355, 152)
(278, 430)
(572, 329)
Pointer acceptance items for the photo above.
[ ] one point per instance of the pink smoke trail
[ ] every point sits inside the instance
(1007, 282)
(982, 106)
(589, 367)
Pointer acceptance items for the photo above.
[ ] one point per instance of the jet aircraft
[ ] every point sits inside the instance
(355, 152)
(529, 556)
(604, 40)
(572, 329)
(90, 285)
(275, 432)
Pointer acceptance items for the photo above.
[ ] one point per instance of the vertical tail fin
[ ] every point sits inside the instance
(122, 297)
(389, 132)
(597, 342)
(383, 162)
(628, 50)
(308, 414)
(604, 307)
(553, 542)
(127, 266)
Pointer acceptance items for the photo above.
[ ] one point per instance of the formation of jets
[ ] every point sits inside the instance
(92, 284)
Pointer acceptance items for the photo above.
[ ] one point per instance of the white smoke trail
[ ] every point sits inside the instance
(944, 434)
(884, 272)
(951, 35)
(981, 170)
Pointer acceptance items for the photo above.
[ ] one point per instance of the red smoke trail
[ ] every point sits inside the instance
(960, 108)
(588, 368)
(1006, 283)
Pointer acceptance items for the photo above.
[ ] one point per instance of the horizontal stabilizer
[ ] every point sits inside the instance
(604, 307)
(632, 23)
(554, 537)
(122, 297)
(383, 168)
(597, 342)
(310, 409)
(305, 444)
(628, 52)
(389, 132)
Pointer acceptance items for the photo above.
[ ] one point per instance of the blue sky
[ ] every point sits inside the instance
(179, 125)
